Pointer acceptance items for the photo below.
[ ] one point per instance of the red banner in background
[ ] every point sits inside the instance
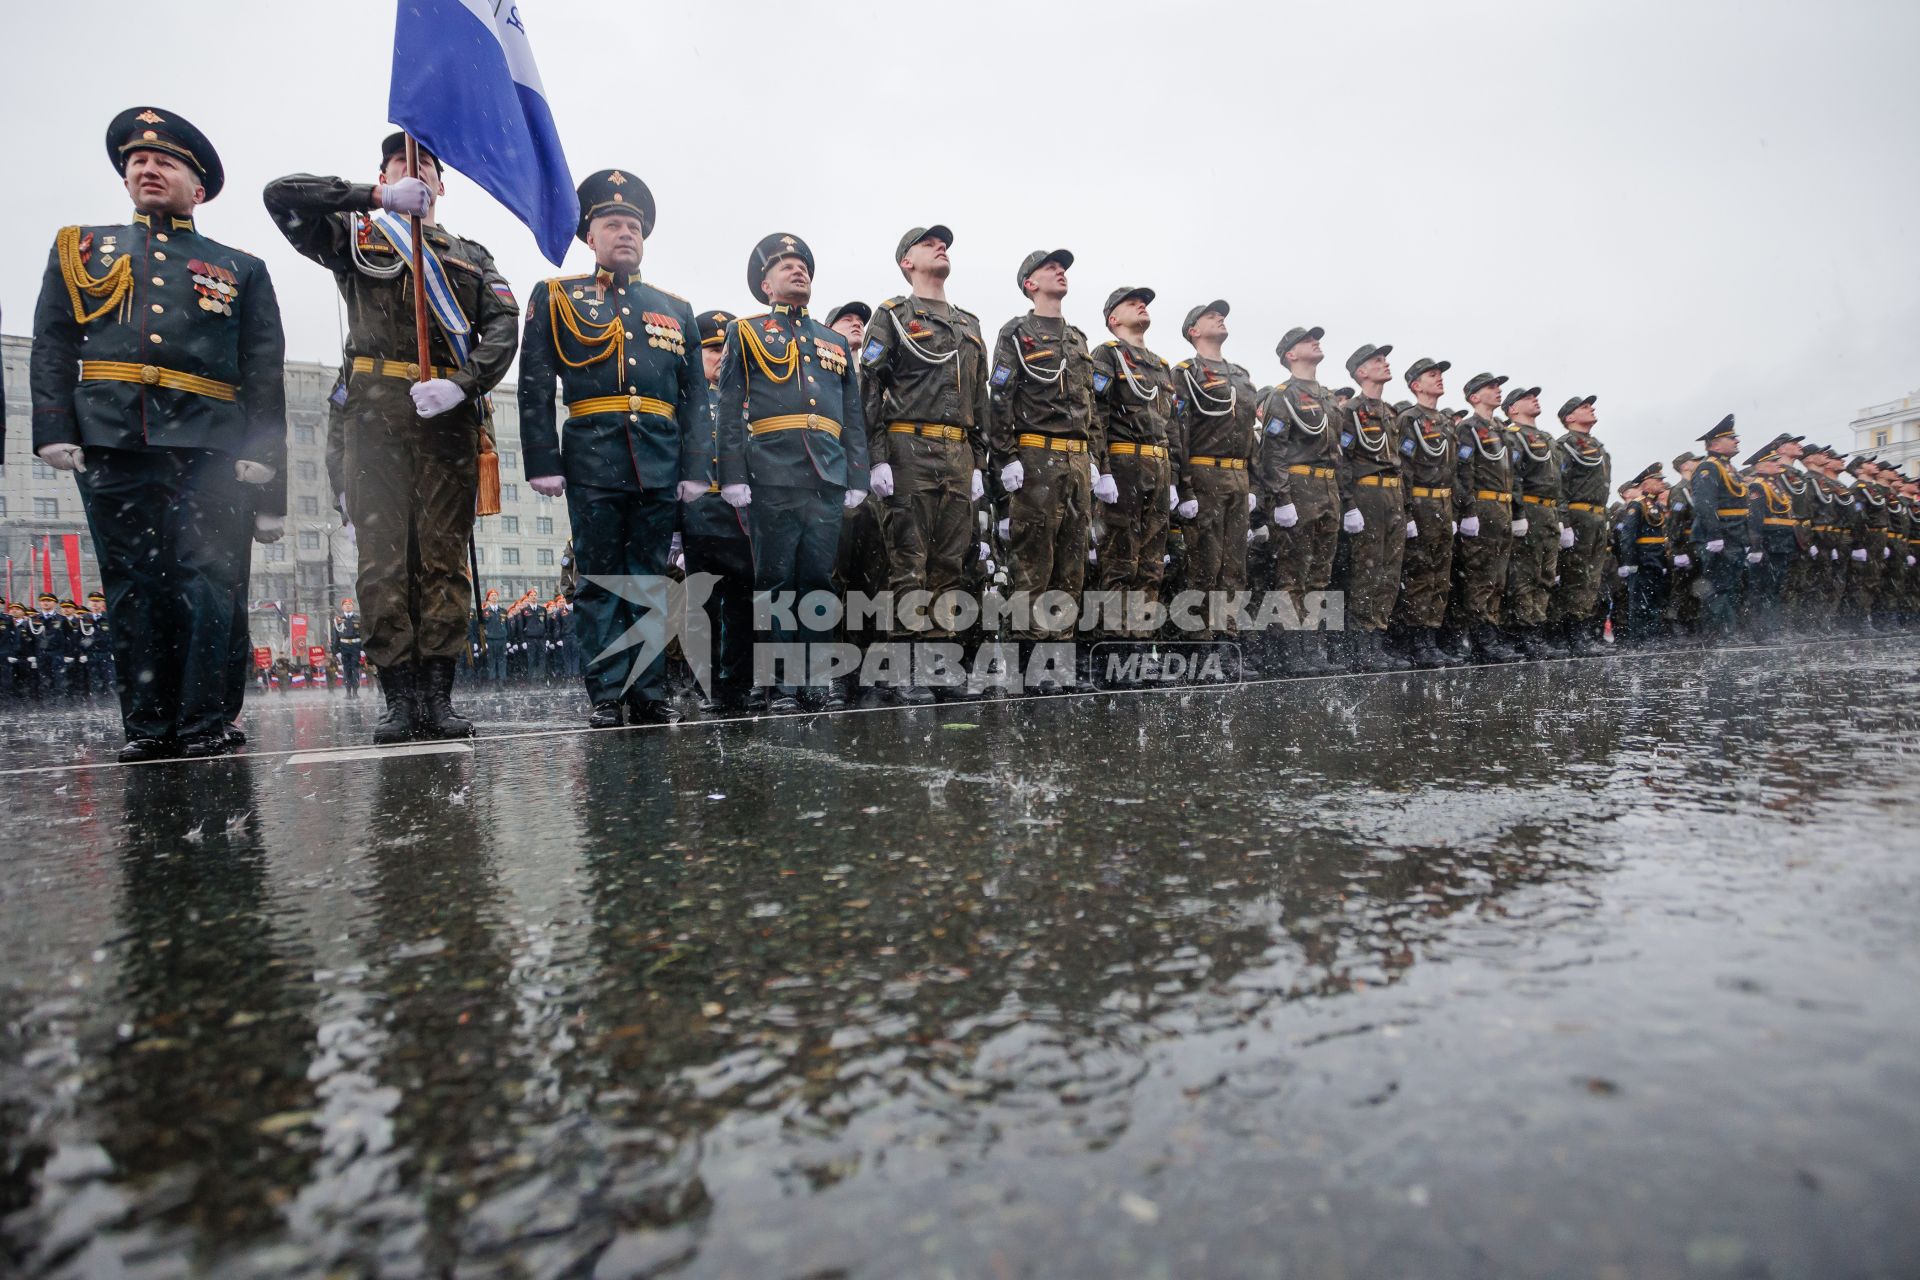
(296, 635)
(46, 574)
(70, 551)
(262, 657)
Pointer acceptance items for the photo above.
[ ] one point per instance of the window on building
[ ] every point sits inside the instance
(3, 506)
(276, 552)
(46, 508)
(509, 555)
(309, 505)
(480, 555)
(509, 458)
(1879, 439)
(304, 433)
(509, 493)
(541, 524)
(305, 471)
(309, 539)
(544, 557)
(509, 524)
(41, 471)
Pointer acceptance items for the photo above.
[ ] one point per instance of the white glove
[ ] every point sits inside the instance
(409, 197)
(64, 457)
(1860, 554)
(1105, 489)
(1628, 570)
(1566, 536)
(1521, 526)
(1470, 527)
(1353, 521)
(1456, 525)
(855, 497)
(979, 485)
(736, 495)
(1835, 553)
(1910, 562)
(986, 555)
(1715, 547)
(1413, 529)
(1093, 555)
(269, 528)
(1755, 557)
(554, 486)
(1683, 561)
(688, 490)
(1188, 509)
(1005, 528)
(880, 479)
(435, 396)
(1257, 536)
(251, 472)
(1173, 497)
(1253, 503)
(1286, 516)
(1012, 476)
(1814, 551)
(1885, 552)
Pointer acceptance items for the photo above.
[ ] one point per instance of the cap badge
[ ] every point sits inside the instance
(150, 116)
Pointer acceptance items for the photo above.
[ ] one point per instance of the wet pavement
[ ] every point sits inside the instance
(1605, 968)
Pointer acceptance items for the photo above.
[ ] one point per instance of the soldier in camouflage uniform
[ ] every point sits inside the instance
(411, 446)
(1300, 477)
(1586, 482)
(1538, 526)
(923, 387)
(1046, 450)
(1211, 443)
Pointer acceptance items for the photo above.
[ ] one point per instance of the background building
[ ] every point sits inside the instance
(1890, 431)
(310, 569)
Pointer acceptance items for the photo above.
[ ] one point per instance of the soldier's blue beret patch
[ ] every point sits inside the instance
(1000, 375)
(1346, 438)
(1406, 447)
(1466, 451)
(339, 397)
(1275, 427)
(1179, 404)
(873, 352)
(1100, 381)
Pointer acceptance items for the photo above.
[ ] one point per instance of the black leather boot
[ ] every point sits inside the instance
(401, 720)
(437, 718)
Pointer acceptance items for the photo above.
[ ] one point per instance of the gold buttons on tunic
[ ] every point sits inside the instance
(158, 256)
(158, 280)
(153, 337)
(157, 308)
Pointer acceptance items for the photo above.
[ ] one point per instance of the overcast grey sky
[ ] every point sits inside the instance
(1686, 208)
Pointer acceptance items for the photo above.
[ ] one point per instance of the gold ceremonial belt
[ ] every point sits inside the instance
(1728, 513)
(1419, 492)
(794, 422)
(1788, 521)
(1126, 448)
(1379, 482)
(1324, 473)
(1643, 541)
(396, 368)
(620, 404)
(1586, 506)
(154, 376)
(1230, 464)
(1538, 501)
(1493, 495)
(1059, 444)
(931, 430)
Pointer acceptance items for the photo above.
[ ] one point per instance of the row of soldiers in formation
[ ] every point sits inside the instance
(55, 649)
(157, 376)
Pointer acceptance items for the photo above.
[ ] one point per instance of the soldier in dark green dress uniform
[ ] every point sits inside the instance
(1773, 533)
(1685, 585)
(349, 645)
(924, 395)
(637, 442)
(1721, 530)
(1044, 449)
(411, 447)
(100, 655)
(793, 450)
(1831, 531)
(1427, 462)
(1300, 476)
(157, 377)
(1644, 552)
(715, 539)
(862, 563)
(1376, 549)
(1486, 505)
(1586, 484)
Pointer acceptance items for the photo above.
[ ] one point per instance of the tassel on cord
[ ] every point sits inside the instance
(116, 287)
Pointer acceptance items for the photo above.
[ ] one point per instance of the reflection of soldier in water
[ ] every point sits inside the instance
(443, 973)
(204, 1104)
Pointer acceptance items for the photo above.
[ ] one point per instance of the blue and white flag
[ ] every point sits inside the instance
(465, 85)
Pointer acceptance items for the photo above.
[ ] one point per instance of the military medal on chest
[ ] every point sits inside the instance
(216, 286)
